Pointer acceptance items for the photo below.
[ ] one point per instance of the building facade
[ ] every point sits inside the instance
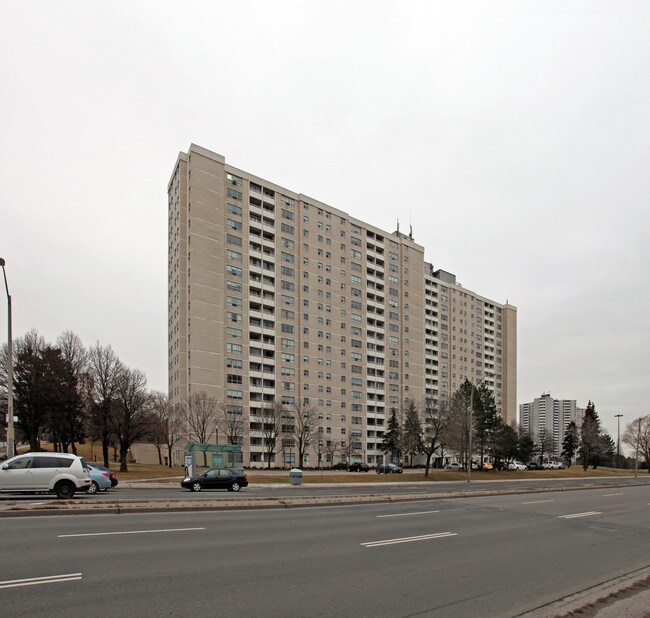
(275, 296)
(546, 419)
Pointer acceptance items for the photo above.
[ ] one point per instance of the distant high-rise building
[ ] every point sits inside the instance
(547, 419)
(275, 296)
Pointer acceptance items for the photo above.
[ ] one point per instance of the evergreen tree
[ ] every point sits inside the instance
(392, 441)
(487, 420)
(526, 447)
(506, 444)
(590, 440)
(412, 434)
(570, 443)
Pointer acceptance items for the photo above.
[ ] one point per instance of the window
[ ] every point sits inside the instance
(234, 348)
(234, 210)
(235, 195)
(234, 240)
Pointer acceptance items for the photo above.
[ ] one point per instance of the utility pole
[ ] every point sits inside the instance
(618, 439)
(11, 447)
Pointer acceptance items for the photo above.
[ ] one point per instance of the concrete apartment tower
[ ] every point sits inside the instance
(275, 296)
(549, 417)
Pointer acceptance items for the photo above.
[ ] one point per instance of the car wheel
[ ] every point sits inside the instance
(235, 487)
(64, 490)
(378, 471)
(196, 486)
(94, 488)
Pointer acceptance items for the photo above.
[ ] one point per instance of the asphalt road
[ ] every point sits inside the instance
(488, 556)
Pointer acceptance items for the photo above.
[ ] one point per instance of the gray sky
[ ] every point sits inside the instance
(513, 136)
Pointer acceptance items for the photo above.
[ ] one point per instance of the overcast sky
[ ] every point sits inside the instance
(513, 136)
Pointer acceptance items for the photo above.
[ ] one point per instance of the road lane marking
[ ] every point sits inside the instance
(406, 514)
(68, 536)
(574, 515)
(537, 501)
(409, 539)
(608, 495)
(35, 581)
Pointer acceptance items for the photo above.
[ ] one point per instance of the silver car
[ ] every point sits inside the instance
(61, 473)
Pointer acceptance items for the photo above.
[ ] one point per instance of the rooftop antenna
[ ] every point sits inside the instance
(411, 228)
(398, 226)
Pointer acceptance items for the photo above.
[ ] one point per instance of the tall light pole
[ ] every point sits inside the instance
(618, 439)
(638, 439)
(471, 428)
(11, 451)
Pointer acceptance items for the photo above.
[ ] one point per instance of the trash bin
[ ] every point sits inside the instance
(295, 475)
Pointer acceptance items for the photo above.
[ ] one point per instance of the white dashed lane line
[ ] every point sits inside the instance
(68, 536)
(409, 539)
(35, 581)
(576, 515)
(407, 514)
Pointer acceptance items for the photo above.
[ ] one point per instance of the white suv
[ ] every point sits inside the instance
(61, 473)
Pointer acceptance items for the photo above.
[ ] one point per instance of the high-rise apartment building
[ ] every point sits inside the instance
(546, 419)
(275, 296)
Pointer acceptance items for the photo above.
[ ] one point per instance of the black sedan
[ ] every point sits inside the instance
(358, 466)
(388, 468)
(217, 478)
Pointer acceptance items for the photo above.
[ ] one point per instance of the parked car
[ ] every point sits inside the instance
(531, 465)
(232, 479)
(358, 466)
(487, 466)
(61, 473)
(112, 476)
(388, 468)
(553, 465)
(454, 466)
(100, 478)
(516, 465)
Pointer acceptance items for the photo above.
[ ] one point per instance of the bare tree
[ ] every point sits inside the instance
(545, 444)
(637, 436)
(103, 369)
(332, 449)
(201, 415)
(271, 418)
(304, 429)
(166, 426)
(319, 446)
(130, 417)
(231, 423)
(456, 433)
(435, 422)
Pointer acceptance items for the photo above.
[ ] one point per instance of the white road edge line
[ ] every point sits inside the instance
(68, 536)
(406, 514)
(34, 581)
(574, 515)
(537, 501)
(409, 539)
(608, 495)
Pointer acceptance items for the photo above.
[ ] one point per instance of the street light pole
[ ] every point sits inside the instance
(618, 439)
(11, 450)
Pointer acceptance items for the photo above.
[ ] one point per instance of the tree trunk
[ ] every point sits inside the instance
(105, 449)
(124, 451)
